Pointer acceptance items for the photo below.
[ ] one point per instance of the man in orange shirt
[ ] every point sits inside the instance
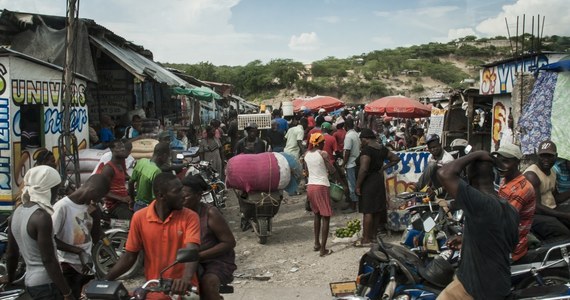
(160, 230)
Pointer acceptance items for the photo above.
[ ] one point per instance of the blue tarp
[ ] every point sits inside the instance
(560, 66)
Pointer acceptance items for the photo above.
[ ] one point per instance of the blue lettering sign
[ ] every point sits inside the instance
(53, 119)
(410, 162)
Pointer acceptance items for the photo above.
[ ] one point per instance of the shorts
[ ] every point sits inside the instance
(319, 197)
(223, 270)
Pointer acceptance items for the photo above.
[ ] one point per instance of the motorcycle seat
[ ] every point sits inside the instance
(540, 291)
(538, 254)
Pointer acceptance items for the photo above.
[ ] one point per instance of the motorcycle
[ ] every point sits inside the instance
(258, 210)
(218, 187)
(21, 267)
(115, 290)
(107, 251)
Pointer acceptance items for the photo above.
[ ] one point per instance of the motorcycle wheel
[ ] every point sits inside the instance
(550, 276)
(220, 195)
(263, 224)
(104, 258)
(20, 271)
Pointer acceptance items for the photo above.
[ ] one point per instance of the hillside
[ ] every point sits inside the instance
(417, 71)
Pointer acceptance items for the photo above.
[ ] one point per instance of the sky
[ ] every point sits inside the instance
(236, 32)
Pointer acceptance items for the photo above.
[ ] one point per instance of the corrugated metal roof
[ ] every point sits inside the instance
(138, 65)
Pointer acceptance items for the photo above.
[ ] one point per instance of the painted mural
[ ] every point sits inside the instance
(25, 85)
(500, 79)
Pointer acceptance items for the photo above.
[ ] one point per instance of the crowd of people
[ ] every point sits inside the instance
(55, 238)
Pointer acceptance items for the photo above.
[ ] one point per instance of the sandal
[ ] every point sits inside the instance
(360, 244)
(329, 252)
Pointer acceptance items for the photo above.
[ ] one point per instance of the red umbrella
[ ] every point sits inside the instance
(318, 102)
(398, 106)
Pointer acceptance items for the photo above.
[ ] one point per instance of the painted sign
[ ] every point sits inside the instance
(436, 121)
(402, 178)
(500, 79)
(503, 124)
(37, 90)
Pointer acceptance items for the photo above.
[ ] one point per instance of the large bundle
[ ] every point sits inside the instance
(262, 172)
(143, 148)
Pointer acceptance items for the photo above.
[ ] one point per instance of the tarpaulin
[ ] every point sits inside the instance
(560, 115)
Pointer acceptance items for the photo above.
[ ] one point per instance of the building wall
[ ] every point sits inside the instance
(500, 79)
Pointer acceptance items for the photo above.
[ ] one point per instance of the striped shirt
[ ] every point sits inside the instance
(519, 192)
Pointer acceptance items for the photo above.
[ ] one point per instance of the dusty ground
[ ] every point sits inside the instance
(288, 259)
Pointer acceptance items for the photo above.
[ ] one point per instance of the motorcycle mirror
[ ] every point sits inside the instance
(182, 256)
(429, 224)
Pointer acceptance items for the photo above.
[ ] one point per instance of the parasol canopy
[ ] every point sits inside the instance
(318, 102)
(201, 93)
(398, 106)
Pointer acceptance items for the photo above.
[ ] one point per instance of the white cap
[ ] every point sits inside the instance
(322, 110)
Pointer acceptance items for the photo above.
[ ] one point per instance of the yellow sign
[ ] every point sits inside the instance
(343, 288)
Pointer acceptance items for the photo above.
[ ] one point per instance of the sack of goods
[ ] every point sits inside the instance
(264, 172)
(143, 148)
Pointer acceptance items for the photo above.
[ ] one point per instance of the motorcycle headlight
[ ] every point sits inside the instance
(402, 297)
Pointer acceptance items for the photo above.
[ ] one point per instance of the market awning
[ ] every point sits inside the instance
(201, 93)
(138, 65)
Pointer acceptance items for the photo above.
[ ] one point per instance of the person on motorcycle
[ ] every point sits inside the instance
(437, 158)
(517, 190)
(160, 230)
(30, 234)
(217, 256)
(117, 201)
(76, 226)
(144, 173)
(490, 231)
(551, 220)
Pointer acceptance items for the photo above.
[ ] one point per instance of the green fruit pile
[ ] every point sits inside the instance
(352, 227)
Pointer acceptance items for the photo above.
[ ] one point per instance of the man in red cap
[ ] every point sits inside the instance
(550, 220)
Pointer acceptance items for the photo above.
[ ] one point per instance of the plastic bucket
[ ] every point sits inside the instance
(287, 108)
(336, 191)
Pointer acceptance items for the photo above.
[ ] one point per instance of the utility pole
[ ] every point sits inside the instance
(67, 142)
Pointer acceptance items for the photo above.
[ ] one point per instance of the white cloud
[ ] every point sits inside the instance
(459, 33)
(304, 42)
(382, 13)
(329, 19)
(557, 13)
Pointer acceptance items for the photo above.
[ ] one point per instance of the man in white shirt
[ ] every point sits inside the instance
(351, 154)
(76, 226)
(294, 137)
(437, 158)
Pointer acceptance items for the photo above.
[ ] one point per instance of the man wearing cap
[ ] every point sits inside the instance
(436, 159)
(517, 190)
(321, 116)
(550, 220)
(251, 144)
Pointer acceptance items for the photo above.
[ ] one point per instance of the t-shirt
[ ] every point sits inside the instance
(562, 176)
(161, 239)
(352, 143)
(444, 159)
(275, 138)
(330, 147)
(105, 158)
(519, 192)
(131, 132)
(106, 135)
(143, 174)
(318, 174)
(293, 135)
(547, 185)
(490, 236)
(282, 125)
(72, 225)
(339, 135)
